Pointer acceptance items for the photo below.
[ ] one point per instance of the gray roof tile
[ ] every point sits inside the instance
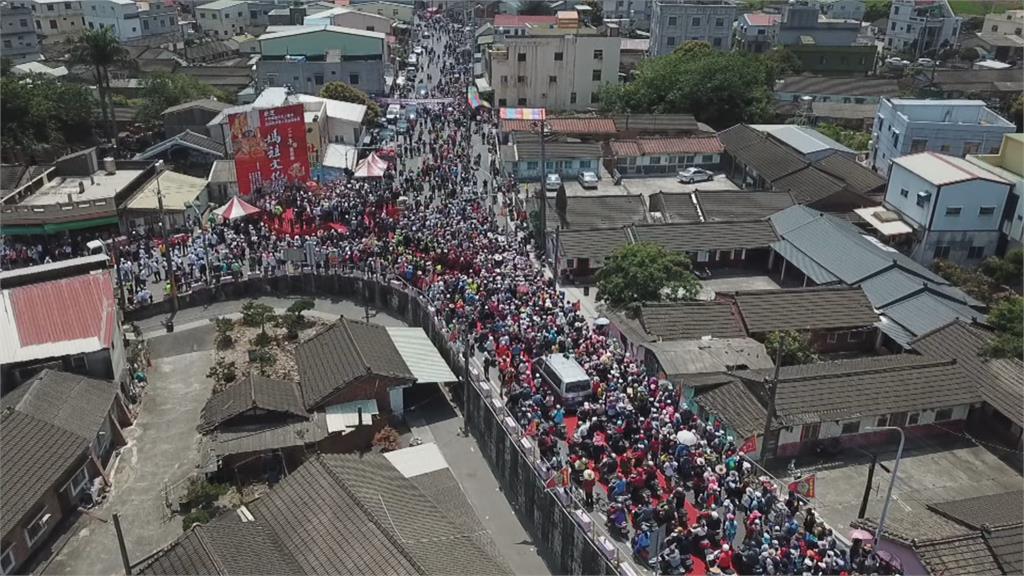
(528, 148)
(691, 320)
(770, 160)
(675, 206)
(1007, 545)
(858, 179)
(596, 243)
(1003, 509)
(75, 403)
(809, 185)
(695, 237)
(822, 308)
(741, 205)
(809, 84)
(252, 392)
(736, 406)
(609, 211)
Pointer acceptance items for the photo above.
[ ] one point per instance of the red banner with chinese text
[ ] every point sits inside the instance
(269, 145)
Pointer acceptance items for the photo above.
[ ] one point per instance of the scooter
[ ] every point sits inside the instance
(702, 273)
(615, 521)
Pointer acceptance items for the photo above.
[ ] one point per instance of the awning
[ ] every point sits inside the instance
(345, 417)
(341, 156)
(485, 39)
(58, 227)
(887, 222)
(482, 85)
(523, 113)
(473, 98)
(421, 356)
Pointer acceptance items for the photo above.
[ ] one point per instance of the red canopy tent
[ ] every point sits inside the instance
(372, 166)
(236, 208)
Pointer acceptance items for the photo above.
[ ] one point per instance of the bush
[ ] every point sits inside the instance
(263, 359)
(291, 322)
(203, 495)
(262, 340)
(256, 315)
(223, 373)
(796, 348)
(224, 326)
(195, 517)
(386, 439)
(301, 305)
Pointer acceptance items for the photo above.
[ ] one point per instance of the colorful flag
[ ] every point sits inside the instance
(551, 482)
(804, 486)
(564, 475)
(749, 445)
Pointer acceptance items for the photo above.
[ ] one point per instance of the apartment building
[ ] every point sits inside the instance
(559, 67)
(1009, 23)
(17, 34)
(308, 57)
(823, 44)
(58, 20)
(223, 18)
(843, 9)
(130, 20)
(753, 31)
(675, 22)
(920, 27)
(954, 127)
(1009, 165)
(636, 12)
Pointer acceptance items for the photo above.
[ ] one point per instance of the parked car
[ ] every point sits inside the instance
(552, 182)
(691, 175)
(417, 50)
(421, 91)
(928, 62)
(588, 180)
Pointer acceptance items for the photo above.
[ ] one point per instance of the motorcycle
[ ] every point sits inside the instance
(615, 521)
(702, 273)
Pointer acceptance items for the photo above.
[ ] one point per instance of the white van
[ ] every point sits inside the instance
(394, 111)
(566, 378)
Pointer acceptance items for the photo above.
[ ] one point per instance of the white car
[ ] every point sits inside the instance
(552, 182)
(588, 180)
(926, 62)
(417, 50)
(691, 175)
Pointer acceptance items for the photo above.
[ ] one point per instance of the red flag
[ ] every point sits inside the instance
(804, 486)
(564, 475)
(552, 482)
(749, 445)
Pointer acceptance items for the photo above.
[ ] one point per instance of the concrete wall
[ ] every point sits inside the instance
(55, 23)
(320, 41)
(675, 23)
(18, 34)
(309, 77)
(568, 168)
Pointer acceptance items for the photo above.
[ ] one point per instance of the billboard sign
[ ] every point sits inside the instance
(269, 145)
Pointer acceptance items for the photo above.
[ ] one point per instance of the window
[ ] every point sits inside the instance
(595, 98)
(6, 559)
(559, 56)
(7, 44)
(36, 528)
(670, 40)
(823, 60)
(904, 192)
(584, 164)
(716, 42)
(598, 54)
(986, 210)
(918, 145)
(24, 23)
(944, 414)
(695, 21)
(995, 28)
(532, 165)
(913, 418)
(49, 7)
(923, 198)
(971, 147)
(77, 483)
(521, 102)
(850, 427)
(833, 337)
(521, 79)
(502, 102)
(854, 336)
(672, 20)
(572, 98)
(353, 78)
(944, 148)
(655, 160)
(941, 252)
(707, 158)
(719, 22)
(504, 79)
(882, 421)
(954, 210)
(596, 76)
(370, 29)
(521, 57)
(975, 252)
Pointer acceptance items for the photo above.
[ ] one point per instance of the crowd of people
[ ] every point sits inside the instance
(672, 484)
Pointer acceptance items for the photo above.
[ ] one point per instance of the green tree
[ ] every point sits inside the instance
(596, 12)
(718, 88)
(100, 49)
(694, 49)
(781, 62)
(1008, 270)
(255, 314)
(345, 93)
(973, 282)
(796, 347)
(853, 139)
(163, 90)
(1017, 112)
(968, 54)
(222, 373)
(224, 327)
(301, 305)
(1007, 319)
(536, 8)
(645, 272)
(41, 112)
(877, 9)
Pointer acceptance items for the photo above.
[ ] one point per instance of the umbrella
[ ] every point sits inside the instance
(602, 322)
(861, 534)
(236, 208)
(338, 227)
(686, 438)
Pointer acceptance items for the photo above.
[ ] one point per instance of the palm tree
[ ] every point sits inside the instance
(101, 50)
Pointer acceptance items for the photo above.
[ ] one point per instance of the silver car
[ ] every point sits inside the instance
(691, 175)
(552, 182)
(588, 180)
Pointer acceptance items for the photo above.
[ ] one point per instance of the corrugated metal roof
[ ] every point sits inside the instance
(804, 263)
(68, 316)
(940, 169)
(801, 138)
(924, 312)
(420, 355)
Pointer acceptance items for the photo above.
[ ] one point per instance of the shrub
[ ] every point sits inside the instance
(386, 439)
(195, 517)
(223, 372)
(224, 327)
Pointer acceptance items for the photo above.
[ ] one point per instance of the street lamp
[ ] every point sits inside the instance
(542, 128)
(892, 482)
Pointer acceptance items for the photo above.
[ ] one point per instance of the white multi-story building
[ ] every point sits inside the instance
(955, 127)
(223, 18)
(754, 31)
(676, 22)
(17, 34)
(1009, 164)
(1009, 23)
(843, 9)
(921, 27)
(129, 19)
(954, 207)
(58, 20)
(559, 68)
(638, 12)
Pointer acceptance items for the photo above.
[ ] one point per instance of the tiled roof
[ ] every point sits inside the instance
(849, 389)
(655, 123)
(528, 148)
(203, 103)
(1004, 509)
(695, 237)
(736, 406)
(571, 125)
(272, 436)
(761, 19)
(518, 21)
(75, 403)
(808, 185)
(857, 178)
(1005, 544)
(675, 206)
(770, 160)
(967, 554)
(680, 359)
(661, 146)
(821, 308)
(343, 352)
(56, 318)
(252, 392)
(609, 211)
(36, 455)
(839, 86)
(741, 205)
(691, 320)
(1000, 380)
(594, 243)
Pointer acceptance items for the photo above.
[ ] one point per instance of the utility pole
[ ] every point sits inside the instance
(166, 238)
(892, 482)
(542, 229)
(120, 544)
(867, 486)
(773, 388)
(558, 250)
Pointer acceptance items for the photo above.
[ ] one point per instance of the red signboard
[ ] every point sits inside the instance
(269, 145)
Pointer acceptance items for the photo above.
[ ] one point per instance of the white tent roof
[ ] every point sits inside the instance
(417, 460)
(420, 355)
(341, 156)
(345, 417)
